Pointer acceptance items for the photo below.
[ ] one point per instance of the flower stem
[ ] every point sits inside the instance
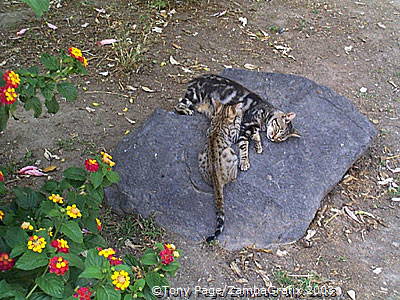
(32, 290)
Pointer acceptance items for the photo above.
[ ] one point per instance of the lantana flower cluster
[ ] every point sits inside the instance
(8, 95)
(1, 176)
(36, 243)
(120, 279)
(6, 262)
(83, 293)
(168, 254)
(58, 265)
(109, 253)
(61, 245)
(77, 54)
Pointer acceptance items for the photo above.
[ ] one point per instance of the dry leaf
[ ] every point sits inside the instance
(89, 109)
(243, 20)
(235, 269)
(147, 89)
(176, 46)
(173, 61)
(85, 25)
(95, 104)
(157, 29)
(351, 214)
(377, 271)
(250, 66)
(105, 74)
(130, 121)
(51, 26)
(310, 234)
(348, 178)
(242, 280)
(219, 14)
(381, 25)
(352, 294)
(50, 169)
(107, 42)
(22, 31)
(127, 132)
(281, 253)
(125, 109)
(100, 10)
(49, 156)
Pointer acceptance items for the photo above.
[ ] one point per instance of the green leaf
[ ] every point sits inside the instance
(15, 237)
(67, 90)
(128, 297)
(38, 6)
(75, 174)
(50, 62)
(148, 295)
(139, 285)
(92, 272)
(94, 259)
(51, 284)
(18, 250)
(95, 240)
(130, 260)
(31, 261)
(172, 267)
(48, 90)
(112, 176)
(6, 290)
(74, 260)
(149, 258)
(27, 198)
(72, 230)
(52, 105)
(50, 186)
(104, 293)
(154, 279)
(96, 178)
(34, 104)
(40, 296)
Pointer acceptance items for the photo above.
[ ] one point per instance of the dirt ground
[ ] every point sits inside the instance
(352, 47)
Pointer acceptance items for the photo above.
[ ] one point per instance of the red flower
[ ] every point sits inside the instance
(83, 293)
(1, 176)
(114, 261)
(58, 265)
(91, 165)
(6, 262)
(61, 245)
(167, 256)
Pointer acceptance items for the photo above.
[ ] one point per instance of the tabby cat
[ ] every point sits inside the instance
(218, 162)
(259, 115)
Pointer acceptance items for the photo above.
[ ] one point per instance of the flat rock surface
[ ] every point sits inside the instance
(272, 203)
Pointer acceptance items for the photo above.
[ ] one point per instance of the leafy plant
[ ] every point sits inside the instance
(39, 7)
(51, 247)
(25, 85)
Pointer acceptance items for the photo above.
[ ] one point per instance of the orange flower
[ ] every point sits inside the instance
(2, 214)
(98, 224)
(73, 211)
(56, 198)
(12, 79)
(107, 158)
(8, 95)
(77, 54)
(1, 176)
(6, 262)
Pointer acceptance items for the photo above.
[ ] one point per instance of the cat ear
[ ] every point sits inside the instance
(289, 116)
(218, 106)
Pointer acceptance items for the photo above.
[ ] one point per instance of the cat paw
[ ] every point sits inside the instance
(183, 109)
(244, 165)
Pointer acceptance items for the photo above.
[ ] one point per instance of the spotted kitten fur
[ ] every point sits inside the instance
(259, 115)
(218, 162)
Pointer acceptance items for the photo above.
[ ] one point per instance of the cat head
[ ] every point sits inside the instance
(279, 127)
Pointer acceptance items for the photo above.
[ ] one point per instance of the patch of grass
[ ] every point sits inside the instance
(129, 227)
(128, 55)
(305, 282)
(274, 28)
(74, 143)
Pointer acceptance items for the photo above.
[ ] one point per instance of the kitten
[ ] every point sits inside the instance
(259, 115)
(218, 162)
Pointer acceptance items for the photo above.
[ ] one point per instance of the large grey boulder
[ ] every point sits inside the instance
(273, 202)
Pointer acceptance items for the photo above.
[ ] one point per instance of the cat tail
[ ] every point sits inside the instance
(219, 203)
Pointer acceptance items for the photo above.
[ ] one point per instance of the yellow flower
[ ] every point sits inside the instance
(26, 226)
(36, 243)
(2, 214)
(56, 198)
(170, 246)
(120, 279)
(73, 211)
(107, 252)
(107, 158)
